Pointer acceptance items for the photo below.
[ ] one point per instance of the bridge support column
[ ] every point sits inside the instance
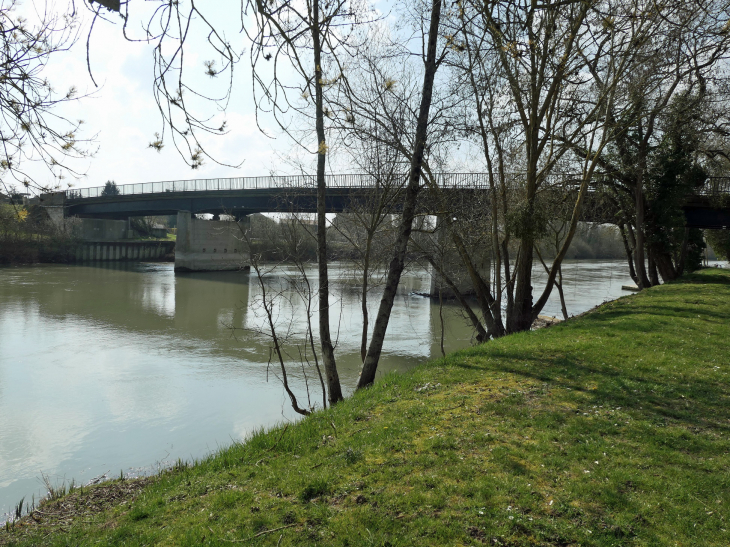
(210, 245)
(56, 214)
(55, 205)
(130, 234)
(453, 267)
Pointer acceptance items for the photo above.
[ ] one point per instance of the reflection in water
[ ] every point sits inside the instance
(411, 331)
(115, 366)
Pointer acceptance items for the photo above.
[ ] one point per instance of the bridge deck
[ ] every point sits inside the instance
(246, 195)
(296, 182)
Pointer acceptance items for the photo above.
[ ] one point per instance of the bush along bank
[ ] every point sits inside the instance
(610, 429)
(27, 236)
(37, 249)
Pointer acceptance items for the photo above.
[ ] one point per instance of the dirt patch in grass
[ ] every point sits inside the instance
(82, 504)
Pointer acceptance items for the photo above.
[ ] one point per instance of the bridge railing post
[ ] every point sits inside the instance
(714, 185)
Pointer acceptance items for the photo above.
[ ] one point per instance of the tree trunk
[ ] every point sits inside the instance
(508, 283)
(563, 307)
(557, 262)
(665, 266)
(629, 255)
(441, 322)
(521, 317)
(365, 274)
(492, 318)
(372, 358)
(328, 354)
(683, 253)
(482, 335)
(653, 275)
(642, 279)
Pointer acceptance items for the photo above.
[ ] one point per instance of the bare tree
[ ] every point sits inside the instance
(664, 110)
(32, 129)
(306, 40)
(541, 78)
(432, 61)
(291, 238)
(172, 28)
(365, 226)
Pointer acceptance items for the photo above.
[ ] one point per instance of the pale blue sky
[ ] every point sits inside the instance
(124, 114)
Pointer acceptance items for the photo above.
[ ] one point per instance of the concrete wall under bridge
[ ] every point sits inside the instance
(209, 245)
(123, 250)
(91, 229)
(100, 229)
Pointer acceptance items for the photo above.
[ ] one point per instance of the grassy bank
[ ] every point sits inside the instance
(610, 429)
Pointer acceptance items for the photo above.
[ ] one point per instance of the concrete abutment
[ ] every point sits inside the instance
(210, 245)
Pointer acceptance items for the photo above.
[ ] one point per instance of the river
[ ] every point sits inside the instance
(124, 368)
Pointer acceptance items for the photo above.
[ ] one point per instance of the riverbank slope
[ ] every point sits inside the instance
(609, 429)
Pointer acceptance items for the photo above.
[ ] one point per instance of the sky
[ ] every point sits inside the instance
(123, 116)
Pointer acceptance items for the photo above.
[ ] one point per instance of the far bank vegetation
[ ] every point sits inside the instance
(27, 236)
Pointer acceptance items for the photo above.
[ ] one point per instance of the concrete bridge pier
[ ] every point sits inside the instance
(455, 270)
(452, 265)
(54, 204)
(210, 245)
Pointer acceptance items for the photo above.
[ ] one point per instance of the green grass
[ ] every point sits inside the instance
(608, 430)
(168, 237)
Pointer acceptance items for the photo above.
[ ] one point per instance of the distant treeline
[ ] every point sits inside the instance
(718, 243)
(274, 240)
(593, 241)
(27, 236)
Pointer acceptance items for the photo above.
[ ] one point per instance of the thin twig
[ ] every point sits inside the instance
(277, 441)
(260, 534)
(273, 530)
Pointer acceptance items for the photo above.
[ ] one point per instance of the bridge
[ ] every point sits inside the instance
(242, 196)
(238, 196)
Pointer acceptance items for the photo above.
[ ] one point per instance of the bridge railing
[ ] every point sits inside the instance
(713, 186)
(460, 180)
(194, 185)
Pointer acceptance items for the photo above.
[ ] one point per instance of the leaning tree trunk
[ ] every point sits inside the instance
(629, 255)
(639, 256)
(665, 266)
(559, 285)
(683, 253)
(395, 270)
(334, 389)
(482, 335)
(364, 303)
(521, 317)
(653, 274)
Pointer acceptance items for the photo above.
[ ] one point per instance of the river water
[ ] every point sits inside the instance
(121, 368)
